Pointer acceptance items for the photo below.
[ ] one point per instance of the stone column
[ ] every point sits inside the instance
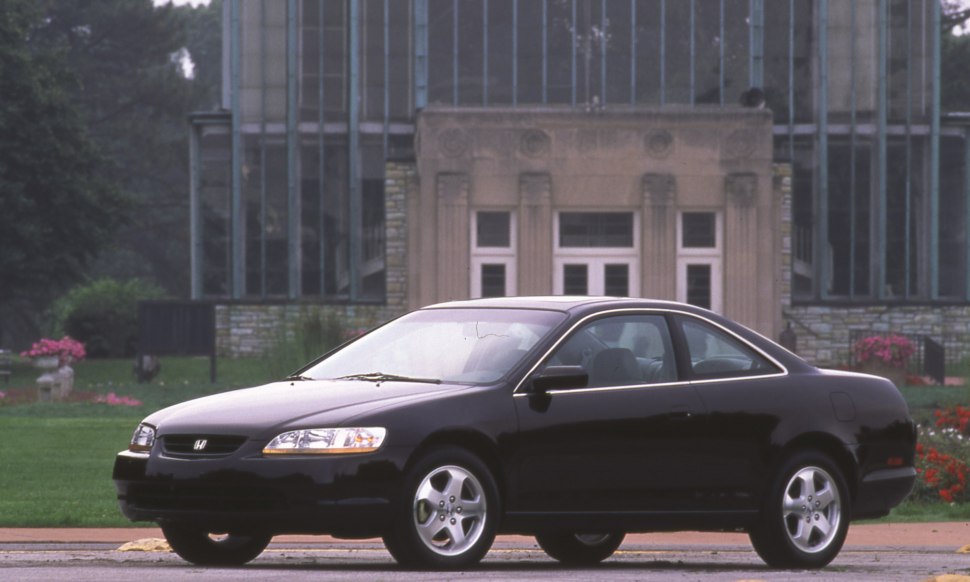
(535, 234)
(452, 239)
(741, 249)
(659, 236)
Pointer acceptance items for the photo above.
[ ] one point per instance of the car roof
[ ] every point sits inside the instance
(570, 303)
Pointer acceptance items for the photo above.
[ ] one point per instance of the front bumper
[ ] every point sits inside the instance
(341, 495)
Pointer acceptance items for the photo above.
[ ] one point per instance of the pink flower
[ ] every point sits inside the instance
(112, 399)
(893, 350)
(64, 348)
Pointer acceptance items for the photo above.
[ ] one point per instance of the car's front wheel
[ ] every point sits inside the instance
(448, 514)
(199, 546)
(575, 549)
(805, 518)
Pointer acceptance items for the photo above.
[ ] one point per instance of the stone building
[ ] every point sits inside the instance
(786, 163)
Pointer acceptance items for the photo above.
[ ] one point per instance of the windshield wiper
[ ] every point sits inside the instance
(382, 377)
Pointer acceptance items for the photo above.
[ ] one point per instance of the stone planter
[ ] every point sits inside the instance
(45, 362)
(894, 374)
(56, 381)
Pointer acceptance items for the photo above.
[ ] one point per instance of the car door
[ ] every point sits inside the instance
(744, 393)
(624, 441)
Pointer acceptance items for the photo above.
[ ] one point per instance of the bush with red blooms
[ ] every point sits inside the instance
(941, 455)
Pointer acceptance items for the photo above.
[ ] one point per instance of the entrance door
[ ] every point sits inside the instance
(596, 253)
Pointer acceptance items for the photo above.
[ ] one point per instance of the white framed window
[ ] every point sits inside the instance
(700, 279)
(493, 244)
(596, 253)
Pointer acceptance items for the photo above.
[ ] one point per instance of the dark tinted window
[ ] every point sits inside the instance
(715, 353)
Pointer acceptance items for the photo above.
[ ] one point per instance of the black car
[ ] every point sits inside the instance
(573, 419)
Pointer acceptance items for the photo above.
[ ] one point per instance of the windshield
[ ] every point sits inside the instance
(448, 345)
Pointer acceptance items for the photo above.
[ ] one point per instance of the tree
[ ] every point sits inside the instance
(955, 59)
(56, 208)
(134, 98)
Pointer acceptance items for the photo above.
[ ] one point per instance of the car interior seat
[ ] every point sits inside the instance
(614, 367)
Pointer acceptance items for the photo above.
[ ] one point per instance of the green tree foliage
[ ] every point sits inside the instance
(93, 105)
(133, 96)
(955, 70)
(104, 315)
(56, 206)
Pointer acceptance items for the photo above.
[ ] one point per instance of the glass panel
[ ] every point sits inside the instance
(699, 230)
(595, 229)
(621, 350)
(575, 279)
(493, 229)
(905, 216)
(699, 285)
(616, 280)
(493, 280)
(451, 345)
(717, 354)
(441, 42)
(214, 189)
(849, 219)
(267, 210)
(953, 202)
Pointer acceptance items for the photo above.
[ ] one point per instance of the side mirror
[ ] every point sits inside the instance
(560, 378)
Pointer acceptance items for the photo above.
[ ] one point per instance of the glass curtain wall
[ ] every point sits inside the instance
(326, 90)
(322, 94)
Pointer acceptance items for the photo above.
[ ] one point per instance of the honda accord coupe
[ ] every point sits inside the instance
(571, 419)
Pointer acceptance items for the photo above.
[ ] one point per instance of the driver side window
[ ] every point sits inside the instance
(622, 350)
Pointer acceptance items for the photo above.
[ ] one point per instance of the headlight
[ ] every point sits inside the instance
(326, 441)
(143, 439)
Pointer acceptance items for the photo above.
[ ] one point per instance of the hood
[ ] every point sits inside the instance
(271, 407)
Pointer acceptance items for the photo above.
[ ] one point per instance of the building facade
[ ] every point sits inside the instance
(589, 146)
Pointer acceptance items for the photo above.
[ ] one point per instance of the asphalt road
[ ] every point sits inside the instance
(511, 558)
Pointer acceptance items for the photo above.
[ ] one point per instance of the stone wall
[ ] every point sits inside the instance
(252, 329)
(823, 331)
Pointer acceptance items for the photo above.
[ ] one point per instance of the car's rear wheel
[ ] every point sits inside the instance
(579, 549)
(448, 515)
(805, 518)
(199, 546)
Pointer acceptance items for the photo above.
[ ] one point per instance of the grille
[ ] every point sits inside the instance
(215, 445)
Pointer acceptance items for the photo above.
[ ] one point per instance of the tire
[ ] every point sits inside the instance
(805, 518)
(448, 514)
(575, 549)
(195, 544)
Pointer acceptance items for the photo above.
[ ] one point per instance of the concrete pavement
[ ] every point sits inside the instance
(954, 535)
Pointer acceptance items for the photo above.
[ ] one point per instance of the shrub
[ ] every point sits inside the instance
(312, 336)
(104, 315)
(941, 455)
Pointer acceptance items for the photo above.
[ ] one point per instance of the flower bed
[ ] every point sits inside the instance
(942, 455)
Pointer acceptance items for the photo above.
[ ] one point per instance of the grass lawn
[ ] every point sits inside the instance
(56, 458)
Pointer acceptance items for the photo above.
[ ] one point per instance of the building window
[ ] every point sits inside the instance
(595, 229)
(493, 254)
(597, 253)
(699, 280)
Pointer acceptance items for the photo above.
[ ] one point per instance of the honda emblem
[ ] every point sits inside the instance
(200, 445)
